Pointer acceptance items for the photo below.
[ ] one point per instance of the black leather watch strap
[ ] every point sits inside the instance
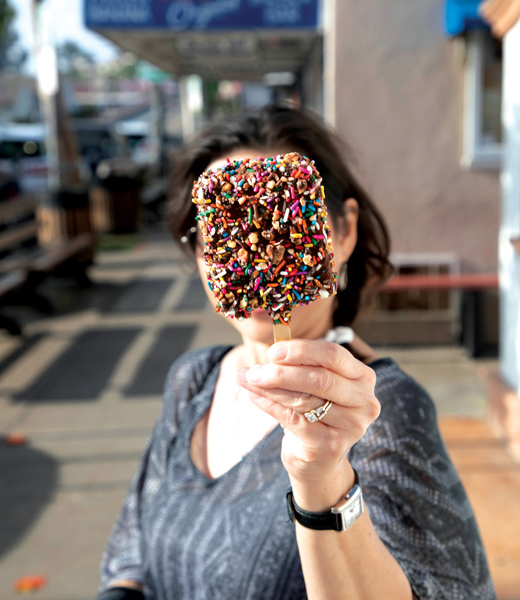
(319, 521)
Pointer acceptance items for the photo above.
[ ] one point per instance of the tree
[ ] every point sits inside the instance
(12, 56)
(72, 58)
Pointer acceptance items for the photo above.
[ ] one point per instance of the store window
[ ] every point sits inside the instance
(482, 147)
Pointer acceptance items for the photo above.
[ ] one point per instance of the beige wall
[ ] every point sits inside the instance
(398, 102)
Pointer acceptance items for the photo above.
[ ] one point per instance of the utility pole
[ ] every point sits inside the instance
(157, 132)
(61, 144)
(64, 212)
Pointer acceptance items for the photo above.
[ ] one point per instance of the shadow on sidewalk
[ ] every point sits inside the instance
(28, 481)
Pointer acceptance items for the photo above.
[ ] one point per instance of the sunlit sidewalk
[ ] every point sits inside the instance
(492, 481)
(84, 387)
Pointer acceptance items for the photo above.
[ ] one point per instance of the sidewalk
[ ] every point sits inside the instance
(85, 388)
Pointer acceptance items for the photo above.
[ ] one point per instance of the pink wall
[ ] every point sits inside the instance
(399, 105)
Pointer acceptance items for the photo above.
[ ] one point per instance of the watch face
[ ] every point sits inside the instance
(353, 511)
(350, 508)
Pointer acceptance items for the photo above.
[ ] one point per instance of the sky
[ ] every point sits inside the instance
(67, 24)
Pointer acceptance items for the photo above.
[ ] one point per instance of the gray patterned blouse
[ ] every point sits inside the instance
(186, 537)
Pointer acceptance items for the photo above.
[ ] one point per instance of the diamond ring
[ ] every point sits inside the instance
(317, 414)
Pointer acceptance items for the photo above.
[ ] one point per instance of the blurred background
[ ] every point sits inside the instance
(96, 302)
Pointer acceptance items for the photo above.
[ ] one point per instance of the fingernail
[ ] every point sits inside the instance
(254, 374)
(241, 374)
(277, 351)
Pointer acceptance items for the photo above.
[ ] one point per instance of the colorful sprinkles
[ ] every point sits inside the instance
(266, 239)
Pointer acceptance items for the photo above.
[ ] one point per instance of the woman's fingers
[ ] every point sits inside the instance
(292, 410)
(289, 406)
(312, 442)
(319, 353)
(302, 382)
(300, 402)
(303, 402)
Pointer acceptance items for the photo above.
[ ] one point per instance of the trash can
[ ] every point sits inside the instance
(64, 225)
(480, 323)
(63, 215)
(116, 196)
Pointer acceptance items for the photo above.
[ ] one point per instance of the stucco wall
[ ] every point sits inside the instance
(398, 103)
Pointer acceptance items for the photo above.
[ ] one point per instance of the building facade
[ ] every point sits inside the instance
(399, 91)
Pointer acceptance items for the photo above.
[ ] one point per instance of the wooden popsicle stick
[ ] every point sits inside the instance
(281, 331)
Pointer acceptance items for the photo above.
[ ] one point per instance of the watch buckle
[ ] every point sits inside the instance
(290, 509)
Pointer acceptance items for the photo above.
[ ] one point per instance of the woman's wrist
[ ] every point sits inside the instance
(321, 495)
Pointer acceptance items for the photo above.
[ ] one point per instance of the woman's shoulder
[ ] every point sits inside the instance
(405, 438)
(402, 398)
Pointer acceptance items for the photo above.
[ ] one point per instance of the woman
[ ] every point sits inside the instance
(206, 516)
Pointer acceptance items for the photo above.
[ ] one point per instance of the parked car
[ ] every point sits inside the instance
(9, 187)
(22, 156)
(134, 135)
(96, 141)
(136, 139)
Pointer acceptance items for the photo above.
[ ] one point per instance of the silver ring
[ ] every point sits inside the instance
(317, 414)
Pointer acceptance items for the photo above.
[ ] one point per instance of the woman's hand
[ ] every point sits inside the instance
(303, 375)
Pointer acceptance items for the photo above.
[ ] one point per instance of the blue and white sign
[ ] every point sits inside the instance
(462, 15)
(186, 15)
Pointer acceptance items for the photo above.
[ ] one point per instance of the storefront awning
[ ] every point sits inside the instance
(217, 39)
(462, 15)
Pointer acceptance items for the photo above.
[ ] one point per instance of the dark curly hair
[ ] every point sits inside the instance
(302, 131)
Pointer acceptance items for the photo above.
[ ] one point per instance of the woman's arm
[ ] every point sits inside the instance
(355, 560)
(304, 375)
(127, 583)
(121, 560)
(124, 590)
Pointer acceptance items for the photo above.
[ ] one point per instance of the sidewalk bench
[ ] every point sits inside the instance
(24, 264)
(472, 287)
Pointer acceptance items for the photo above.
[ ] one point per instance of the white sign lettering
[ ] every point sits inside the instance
(276, 12)
(131, 12)
(181, 15)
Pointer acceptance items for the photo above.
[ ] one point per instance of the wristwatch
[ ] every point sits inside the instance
(341, 516)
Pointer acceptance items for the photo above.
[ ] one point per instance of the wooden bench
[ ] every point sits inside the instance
(24, 263)
(472, 287)
(19, 227)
